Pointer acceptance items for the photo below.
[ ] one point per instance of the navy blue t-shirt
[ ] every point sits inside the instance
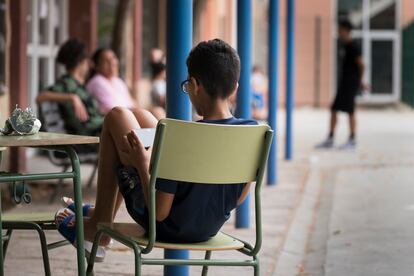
(198, 210)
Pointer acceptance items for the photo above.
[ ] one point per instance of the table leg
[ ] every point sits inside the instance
(77, 188)
(1, 230)
(1, 243)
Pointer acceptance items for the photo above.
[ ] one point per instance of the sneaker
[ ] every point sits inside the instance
(349, 145)
(327, 144)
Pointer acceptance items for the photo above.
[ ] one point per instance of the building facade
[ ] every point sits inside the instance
(31, 32)
(383, 28)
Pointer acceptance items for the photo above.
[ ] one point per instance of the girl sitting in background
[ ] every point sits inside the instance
(105, 85)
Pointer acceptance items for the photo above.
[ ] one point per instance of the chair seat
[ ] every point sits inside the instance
(221, 241)
(30, 217)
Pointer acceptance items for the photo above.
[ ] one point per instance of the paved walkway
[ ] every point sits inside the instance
(368, 222)
(359, 205)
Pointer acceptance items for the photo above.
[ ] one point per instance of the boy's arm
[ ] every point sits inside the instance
(361, 70)
(49, 96)
(163, 200)
(78, 106)
(244, 193)
(139, 157)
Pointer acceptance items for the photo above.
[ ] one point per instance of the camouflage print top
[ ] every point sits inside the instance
(93, 126)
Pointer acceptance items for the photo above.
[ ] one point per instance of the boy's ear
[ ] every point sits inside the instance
(233, 95)
(194, 84)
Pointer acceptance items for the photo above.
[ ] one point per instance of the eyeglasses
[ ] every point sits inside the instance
(185, 86)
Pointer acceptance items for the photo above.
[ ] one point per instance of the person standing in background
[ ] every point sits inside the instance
(350, 83)
(259, 94)
(158, 91)
(159, 85)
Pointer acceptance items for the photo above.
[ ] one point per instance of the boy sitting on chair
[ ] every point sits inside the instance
(184, 211)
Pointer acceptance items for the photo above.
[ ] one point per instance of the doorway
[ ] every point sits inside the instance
(377, 28)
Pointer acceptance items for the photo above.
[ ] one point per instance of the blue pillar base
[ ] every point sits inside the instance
(244, 48)
(176, 270)
(243, 215)
(273, 87)
(179, 41)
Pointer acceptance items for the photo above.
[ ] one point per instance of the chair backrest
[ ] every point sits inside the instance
(210, 153)
(52, 121)
(50, 117)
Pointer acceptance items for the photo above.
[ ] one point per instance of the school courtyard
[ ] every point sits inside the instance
(332, 213)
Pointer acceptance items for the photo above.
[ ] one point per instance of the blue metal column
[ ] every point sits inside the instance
(244, 47)
(273, 90)
(290, 75)
(179, 42)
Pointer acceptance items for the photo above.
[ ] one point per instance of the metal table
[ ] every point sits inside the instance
(55, 142)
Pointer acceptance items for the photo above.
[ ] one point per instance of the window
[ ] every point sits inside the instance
(47, 29)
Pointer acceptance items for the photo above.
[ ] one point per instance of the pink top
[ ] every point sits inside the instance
(109, 93)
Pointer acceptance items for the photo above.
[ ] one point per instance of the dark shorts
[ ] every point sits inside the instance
(345, 100)
(129, 184)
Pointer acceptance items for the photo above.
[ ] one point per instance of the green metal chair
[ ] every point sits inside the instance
(198, 153)
(30, 221)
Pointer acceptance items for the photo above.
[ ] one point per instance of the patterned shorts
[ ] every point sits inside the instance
(129, 184)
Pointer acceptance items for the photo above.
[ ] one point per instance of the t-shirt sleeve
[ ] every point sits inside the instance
(166, 186)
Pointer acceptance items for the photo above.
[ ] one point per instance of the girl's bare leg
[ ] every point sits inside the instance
(158, 112)
(118, 123)
(145, 120)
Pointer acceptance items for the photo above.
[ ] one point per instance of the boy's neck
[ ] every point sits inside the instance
(77, 76)
(217, 110)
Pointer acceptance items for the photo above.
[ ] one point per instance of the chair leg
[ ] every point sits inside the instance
(137, 254)
(92, 177)
(205, 267)
(6, 242)
(43, 245)
(10, 226)
(91, 261)
(59, 186)
(257, 266)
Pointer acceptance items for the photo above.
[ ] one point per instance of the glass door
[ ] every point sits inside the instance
(376, 27)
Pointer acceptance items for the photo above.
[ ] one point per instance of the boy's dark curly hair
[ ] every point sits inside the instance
(346, 24)
(71, 53)
(216, 66)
